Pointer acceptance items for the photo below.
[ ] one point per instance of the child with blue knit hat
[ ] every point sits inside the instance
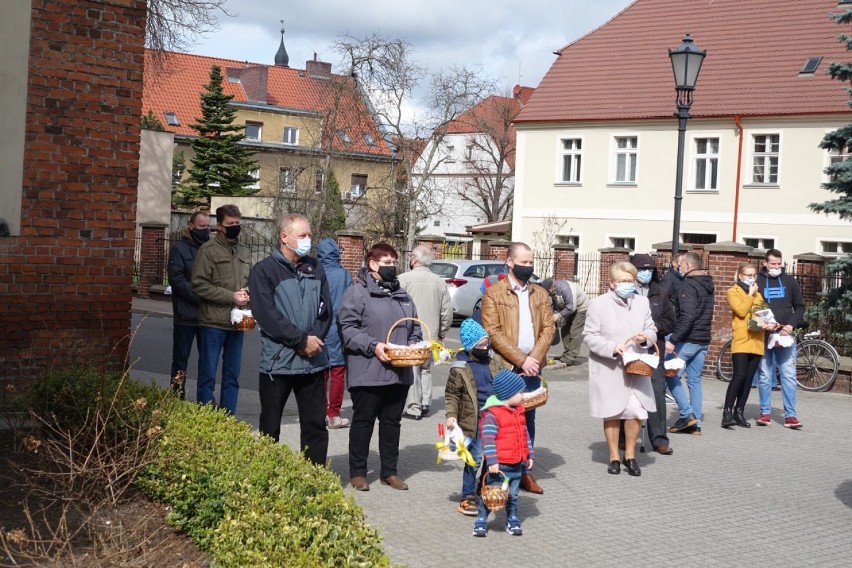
(506, 446)
(468, 387)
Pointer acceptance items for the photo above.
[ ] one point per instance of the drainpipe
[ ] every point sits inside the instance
(739, 171)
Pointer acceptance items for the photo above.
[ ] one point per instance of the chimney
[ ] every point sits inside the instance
(316, 68)
(253, 79)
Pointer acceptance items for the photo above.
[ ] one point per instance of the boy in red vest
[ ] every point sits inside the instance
(506, 446)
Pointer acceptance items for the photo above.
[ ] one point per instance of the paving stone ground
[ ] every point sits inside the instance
(764, 496)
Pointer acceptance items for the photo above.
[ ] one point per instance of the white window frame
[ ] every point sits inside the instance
(832, 156)
(755, 156)
(293, 138)
(288, 187)
(255, 174)
(616, 152)
(611, 238)
(259, 136)
(709, 156)
(761, 241)
(576, 157)
(821, 242)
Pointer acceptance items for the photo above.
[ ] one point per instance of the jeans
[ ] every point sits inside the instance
(785, 359)
(469, 473)
(335, 381)
(384, 403)
(513, 472)
(228, 343)
(693, 354)
(274, 390)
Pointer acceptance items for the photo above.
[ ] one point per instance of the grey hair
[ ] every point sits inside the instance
(286, 222)
(424, 255)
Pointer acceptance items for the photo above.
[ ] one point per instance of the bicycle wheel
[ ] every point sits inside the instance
(724, 365)
(817, 364)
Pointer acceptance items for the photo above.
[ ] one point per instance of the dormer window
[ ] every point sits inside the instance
(171, 119)
(368, 139)
(344, 137)
(810, 66)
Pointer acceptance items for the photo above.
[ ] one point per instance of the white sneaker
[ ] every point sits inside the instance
(335, 422)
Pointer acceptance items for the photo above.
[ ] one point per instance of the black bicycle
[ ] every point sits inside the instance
(817, 363)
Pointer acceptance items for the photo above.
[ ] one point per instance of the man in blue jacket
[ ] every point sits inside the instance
(292, 305)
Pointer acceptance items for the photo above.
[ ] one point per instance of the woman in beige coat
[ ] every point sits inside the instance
(617, 322)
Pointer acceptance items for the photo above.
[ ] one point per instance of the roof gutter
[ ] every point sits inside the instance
(739, 172)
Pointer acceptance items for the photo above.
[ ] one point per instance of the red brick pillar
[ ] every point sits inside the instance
(610, 256)
(810, 272)
(434, 241)
(351, 245)
(723, 259)
(564, 262)
(152, 257)
(499, 249)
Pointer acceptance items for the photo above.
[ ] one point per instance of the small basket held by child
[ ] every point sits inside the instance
(408, 355)
(494, 497)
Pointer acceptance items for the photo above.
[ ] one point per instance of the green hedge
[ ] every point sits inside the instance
(250, 501)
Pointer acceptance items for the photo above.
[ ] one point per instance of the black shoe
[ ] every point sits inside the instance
(632, 467)
(740, 419)
(412, 416)
(728, 419)
(614, 467)
(684, 424)
(424, 411)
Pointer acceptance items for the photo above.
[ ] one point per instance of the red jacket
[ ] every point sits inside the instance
(504, 435)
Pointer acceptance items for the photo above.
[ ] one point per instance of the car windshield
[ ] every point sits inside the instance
(443, 270)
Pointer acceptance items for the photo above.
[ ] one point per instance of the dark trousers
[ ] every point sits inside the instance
(744, 367)
(656, 422)
(182, 338)
(384, 403)
(310, 400)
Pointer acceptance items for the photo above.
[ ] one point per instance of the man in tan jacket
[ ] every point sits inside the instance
(434, 308)
(518, 318)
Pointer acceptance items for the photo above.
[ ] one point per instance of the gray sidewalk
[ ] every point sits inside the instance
(766, 496)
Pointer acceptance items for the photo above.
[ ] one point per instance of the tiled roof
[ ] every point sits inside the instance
(755, 50)
(490, 115)
(178, 86)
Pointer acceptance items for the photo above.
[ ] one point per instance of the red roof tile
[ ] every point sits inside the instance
(177, 89)
(755, 49)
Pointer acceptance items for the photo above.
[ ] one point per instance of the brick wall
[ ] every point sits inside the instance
(564, 262)
(499, 249)
(65, 281)
(435, 242)
(610, 256)
(351, 244)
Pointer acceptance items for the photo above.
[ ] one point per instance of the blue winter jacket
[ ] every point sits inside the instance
(290, 302)
(339, 280)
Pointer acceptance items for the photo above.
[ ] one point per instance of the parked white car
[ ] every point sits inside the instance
(464, 281)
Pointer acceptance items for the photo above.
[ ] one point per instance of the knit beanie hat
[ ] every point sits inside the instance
(471, 333)
(507, 384)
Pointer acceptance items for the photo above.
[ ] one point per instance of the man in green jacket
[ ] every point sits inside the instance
(219, 278)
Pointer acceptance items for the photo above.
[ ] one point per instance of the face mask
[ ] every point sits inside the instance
(747, 281)
(387, 273)
(200, 235)
(522, 273)
(481, 353)
(303, 246)
(644, 276)
(625, 289)
(232, 232)
(681, 270)
(774, 272)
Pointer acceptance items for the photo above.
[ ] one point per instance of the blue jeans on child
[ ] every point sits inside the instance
(469, 473)
(513, 472)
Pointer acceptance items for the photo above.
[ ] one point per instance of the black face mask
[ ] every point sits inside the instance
(232, 232)
(522, 273)
(387, 273)
(200, 235)
(481, 353)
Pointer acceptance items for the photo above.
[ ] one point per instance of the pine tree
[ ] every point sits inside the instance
(221, 165)
(334, 218)
(836, 306)
(151, 122)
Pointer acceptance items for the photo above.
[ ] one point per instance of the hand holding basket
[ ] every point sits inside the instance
(639, 367)
(407, 356)
(494, 497)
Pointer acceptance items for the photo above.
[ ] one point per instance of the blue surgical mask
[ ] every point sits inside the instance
(747, 281)
(644, 276)
(303, 246)
(625, 289)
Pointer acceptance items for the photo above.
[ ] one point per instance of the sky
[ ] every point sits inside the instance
(512, 41)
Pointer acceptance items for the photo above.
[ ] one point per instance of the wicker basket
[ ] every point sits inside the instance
(536, 400)
(494, 497)
(671, 372)
(407, 356)
(639, 367)
(247, 323)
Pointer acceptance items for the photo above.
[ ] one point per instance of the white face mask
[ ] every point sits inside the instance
(774, 272)
(303, 246)
(747, 281)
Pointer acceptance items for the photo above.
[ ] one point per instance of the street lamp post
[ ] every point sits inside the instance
(686, 64)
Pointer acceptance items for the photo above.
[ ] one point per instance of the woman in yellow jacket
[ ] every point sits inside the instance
(746, 344)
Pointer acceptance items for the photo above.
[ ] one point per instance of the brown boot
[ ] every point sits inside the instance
(528, 483)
